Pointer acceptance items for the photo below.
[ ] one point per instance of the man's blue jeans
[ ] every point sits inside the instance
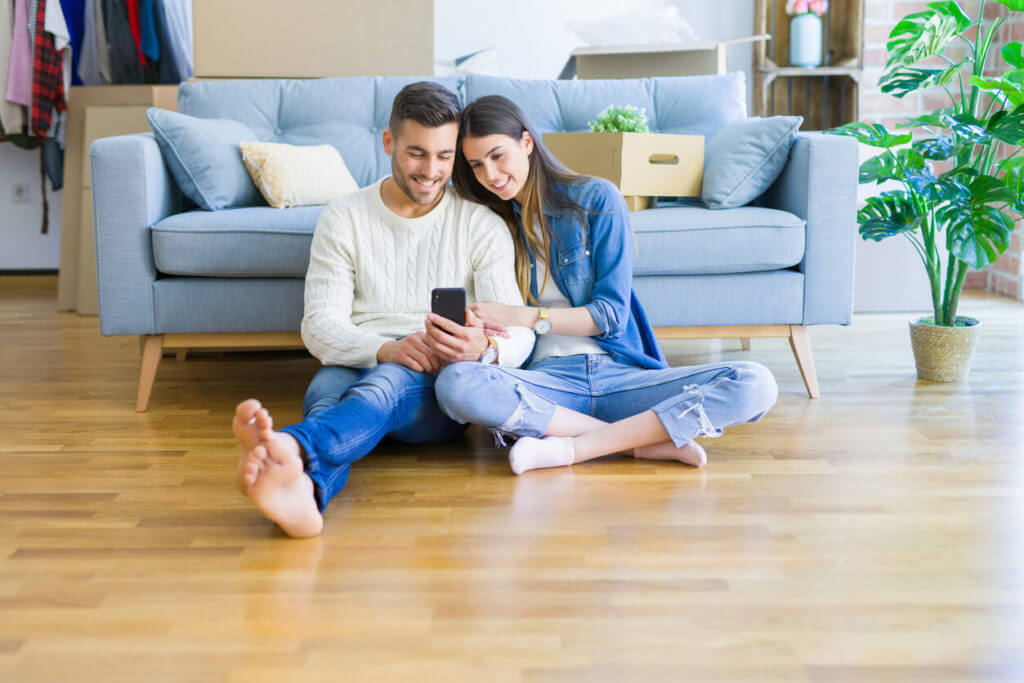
(348, 411)
(699, 400)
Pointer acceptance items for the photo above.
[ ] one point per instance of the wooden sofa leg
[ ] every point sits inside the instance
(151, 353)
(800, 342)
(181, 355)
(745, 343)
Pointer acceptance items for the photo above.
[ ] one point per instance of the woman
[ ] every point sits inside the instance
(597, 382)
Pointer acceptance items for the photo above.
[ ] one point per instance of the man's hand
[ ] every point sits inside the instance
(451, 342)
(412, 352)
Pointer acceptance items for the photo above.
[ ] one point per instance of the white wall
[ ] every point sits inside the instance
(531, 40)
(22, 244)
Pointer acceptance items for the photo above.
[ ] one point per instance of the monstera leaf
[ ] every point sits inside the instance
(872, 134)
(977, 232)
(1016, 5)
(936, 149)
(888, 214)
(925, 34)
(1006, 90)
(1008, 126)
(1012, 55)
(895, 166)
(1013, 179)
(903, 80)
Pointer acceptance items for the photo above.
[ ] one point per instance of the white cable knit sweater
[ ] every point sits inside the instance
(371, 272)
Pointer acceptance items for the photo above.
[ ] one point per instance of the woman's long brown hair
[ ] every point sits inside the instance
(495, 114)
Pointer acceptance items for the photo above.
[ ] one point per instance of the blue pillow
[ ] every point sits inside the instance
(744, 158)
(204, 157)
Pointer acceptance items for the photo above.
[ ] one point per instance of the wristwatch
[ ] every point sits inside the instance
(490, 354)
(543, 324)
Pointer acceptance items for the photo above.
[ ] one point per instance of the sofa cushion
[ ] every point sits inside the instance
(691, 240)
(694, 105)
(204, 158)
(744, 159)
(348, 113)
(248, 242)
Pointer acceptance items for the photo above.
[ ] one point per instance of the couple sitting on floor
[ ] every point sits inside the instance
(575, 374)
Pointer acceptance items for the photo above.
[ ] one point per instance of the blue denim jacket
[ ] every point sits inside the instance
(597, 272)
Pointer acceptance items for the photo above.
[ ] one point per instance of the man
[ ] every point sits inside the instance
(375, 257)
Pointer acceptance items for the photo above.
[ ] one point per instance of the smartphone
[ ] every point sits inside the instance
(449, 302)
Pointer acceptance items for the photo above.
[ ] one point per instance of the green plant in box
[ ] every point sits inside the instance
(616, 119)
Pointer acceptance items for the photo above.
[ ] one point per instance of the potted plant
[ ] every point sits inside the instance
(955, 216)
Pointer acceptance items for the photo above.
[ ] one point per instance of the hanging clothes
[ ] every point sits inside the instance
(133, 21)
(94, 60)
(174, 31)
(56, 25)
(12, 115)
(48, 77)
(19, 73)
(74, 14)
(124, 58)
(147, 29)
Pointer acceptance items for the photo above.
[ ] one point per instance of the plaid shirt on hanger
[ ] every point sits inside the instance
(47, 76)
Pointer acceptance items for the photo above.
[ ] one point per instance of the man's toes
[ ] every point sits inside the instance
(264, 423)
(246, 410)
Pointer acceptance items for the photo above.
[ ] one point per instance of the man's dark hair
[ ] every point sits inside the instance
(427, 103)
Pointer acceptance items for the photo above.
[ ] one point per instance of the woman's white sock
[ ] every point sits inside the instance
(529, 453)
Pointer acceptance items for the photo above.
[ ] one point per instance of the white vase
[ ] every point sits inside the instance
(805, 40)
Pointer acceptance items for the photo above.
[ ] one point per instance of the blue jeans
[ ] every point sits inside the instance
(699, 400)
(346, 412)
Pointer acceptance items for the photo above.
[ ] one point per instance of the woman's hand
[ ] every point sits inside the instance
(497, 318)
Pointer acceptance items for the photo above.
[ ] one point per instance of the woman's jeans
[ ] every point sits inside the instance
(699, 400)
(348, 411)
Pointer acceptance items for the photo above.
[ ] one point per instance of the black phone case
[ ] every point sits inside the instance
(449, 302)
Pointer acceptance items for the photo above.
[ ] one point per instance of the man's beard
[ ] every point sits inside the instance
(407, 190)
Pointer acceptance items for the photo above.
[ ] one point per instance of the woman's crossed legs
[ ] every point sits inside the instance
(599, 406)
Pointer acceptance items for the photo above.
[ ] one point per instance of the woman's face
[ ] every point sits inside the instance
(500, 163)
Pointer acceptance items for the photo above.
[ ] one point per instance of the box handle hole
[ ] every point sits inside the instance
(664, 159)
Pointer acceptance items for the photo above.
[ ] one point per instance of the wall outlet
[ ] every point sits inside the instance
(20, 193)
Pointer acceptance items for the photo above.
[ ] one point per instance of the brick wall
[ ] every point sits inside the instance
(1005, 275)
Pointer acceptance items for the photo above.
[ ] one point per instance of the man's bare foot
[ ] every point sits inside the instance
(248, 435)
(277, 484)
(690, 454)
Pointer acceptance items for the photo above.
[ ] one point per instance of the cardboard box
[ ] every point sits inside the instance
(645, 61)
(639, 164)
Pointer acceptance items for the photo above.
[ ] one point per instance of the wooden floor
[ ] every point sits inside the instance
(876, 534)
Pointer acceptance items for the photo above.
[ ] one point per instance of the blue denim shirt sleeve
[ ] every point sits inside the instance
(611, 243)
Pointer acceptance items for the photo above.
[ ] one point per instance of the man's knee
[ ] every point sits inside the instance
(386, 384)
(327, 387)
(760, 389)
(457, 390)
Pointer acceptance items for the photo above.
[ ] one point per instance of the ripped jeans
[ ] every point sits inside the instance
(699, 400)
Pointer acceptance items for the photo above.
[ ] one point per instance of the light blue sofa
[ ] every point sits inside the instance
(186, 278)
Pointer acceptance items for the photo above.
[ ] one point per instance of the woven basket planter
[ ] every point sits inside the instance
(943, 354)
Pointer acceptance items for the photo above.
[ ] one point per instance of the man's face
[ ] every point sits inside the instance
(421, 159)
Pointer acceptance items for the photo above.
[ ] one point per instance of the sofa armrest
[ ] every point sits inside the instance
(131, 190)
(819, 184)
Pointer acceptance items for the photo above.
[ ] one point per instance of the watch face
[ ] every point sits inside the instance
(542, 327)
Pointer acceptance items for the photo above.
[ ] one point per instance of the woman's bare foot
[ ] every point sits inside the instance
(248, 435)
(690, 454)
(276, 483)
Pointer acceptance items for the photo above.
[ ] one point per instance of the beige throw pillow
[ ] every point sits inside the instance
(290, 175)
